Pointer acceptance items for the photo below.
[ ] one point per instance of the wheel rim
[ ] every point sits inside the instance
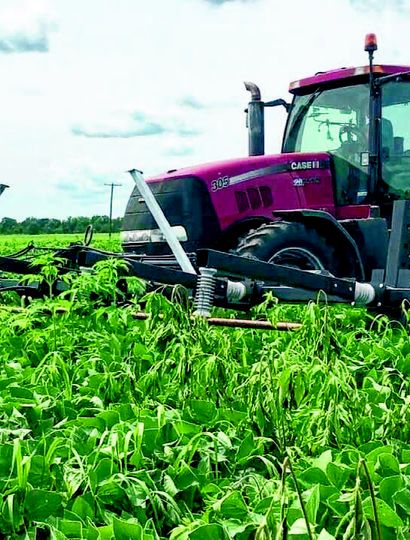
(297, 257)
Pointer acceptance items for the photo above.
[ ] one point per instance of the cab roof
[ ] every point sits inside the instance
(335, 76)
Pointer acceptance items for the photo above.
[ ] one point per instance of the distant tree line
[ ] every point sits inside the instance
(33, 225)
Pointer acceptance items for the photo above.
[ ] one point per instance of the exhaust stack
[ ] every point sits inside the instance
(255, 121)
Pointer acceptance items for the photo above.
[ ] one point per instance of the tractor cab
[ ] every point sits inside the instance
(360, 116)
(332, 112)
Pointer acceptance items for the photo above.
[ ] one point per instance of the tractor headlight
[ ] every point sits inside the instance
(145, 236)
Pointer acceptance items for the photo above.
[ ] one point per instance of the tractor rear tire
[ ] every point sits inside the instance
(290, 244)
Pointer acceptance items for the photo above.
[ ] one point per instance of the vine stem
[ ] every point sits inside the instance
(283, 525)
(302, 504)
(363, 464)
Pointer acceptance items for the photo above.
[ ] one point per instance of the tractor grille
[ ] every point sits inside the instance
(185, 202)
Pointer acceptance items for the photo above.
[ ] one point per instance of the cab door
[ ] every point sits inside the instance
(395, 140)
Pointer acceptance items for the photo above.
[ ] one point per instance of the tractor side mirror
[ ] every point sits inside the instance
(277, 102)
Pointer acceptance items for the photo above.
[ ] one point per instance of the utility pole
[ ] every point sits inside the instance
(112, 185)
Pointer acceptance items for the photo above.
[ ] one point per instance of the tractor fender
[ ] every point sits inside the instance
(230, 236)
(328, 226)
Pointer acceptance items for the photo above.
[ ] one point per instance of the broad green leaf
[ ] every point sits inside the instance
(323, 460)
(11, 511)
(284, 385)
(91, 533)
(387, 465)
(377, 392)
(294, 513)
(299, 389)
(402, 498)
(90, 422)
(71, 529)
(39, 473)
(232, 506)
(182, 427)
(338, 473)
(40, 504)
(21, 392)
(232, 415)
(110, 418)
(403, 365)
(169, 485)
(299, 527)
(312, 503)
(149, 440)
(224, 440)
(246, 447)
(124, 530)
(405, 453)
(338, 507)
(111, 493)
(263, 505)
(126, 411)
(235, 528)
(104, 469)
(6, 458)
(389, 486)
(324, 535)
(186, 477)
(5, 382)
(202, 411)
(387, 516)
(83, 508)
(71, 516)
(313, 476)
(211, 490)
(55, 534)
(213, 531)
(374, 453)
(106, 532)
(136, 458)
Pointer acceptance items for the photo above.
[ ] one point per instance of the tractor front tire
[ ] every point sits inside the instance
(290, 244)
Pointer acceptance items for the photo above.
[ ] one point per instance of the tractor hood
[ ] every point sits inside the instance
(203, 203)
(245, 188)
(236, 171)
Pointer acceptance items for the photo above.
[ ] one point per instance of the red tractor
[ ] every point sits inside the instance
(324, 203)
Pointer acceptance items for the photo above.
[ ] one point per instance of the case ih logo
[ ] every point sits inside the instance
(304, 165)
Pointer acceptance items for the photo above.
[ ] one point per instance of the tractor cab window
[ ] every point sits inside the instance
(334, 121)
(395, 138)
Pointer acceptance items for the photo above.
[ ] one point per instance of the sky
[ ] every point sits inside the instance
(92, 88)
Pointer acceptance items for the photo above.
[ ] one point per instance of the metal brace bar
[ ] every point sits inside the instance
(162, 222)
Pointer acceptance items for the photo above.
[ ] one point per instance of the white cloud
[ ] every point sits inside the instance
(25, 26)
(181, 63)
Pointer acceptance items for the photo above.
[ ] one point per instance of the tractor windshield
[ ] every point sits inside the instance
(327, 119)
(395, 138)
(335, 121)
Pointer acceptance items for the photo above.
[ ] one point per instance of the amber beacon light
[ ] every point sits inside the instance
(370, 43)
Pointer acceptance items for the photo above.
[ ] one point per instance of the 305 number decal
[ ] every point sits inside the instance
(220, 183)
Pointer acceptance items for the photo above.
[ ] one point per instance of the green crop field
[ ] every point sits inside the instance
(10, 243)
(113, 427)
